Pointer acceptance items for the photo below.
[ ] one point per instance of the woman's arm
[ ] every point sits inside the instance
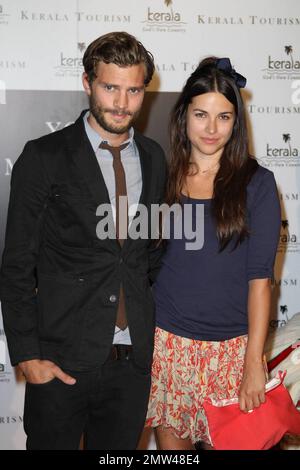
(252, 390)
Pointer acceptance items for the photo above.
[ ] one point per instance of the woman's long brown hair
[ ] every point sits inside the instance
(236, 165)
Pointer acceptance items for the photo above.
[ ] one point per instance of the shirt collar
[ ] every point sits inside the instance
(95, 138)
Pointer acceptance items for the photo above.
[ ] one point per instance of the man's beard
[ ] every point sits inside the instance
(99, 115)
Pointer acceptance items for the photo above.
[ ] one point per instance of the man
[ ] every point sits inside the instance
(77, 307)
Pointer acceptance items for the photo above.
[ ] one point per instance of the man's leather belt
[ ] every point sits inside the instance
(119, 351)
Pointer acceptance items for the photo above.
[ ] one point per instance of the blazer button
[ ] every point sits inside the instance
(113, 298)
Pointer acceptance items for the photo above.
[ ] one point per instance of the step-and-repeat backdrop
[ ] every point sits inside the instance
(41, 49)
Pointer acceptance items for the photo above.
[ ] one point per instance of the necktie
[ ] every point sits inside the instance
(120, 182)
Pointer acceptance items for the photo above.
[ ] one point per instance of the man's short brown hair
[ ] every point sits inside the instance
(119, 48)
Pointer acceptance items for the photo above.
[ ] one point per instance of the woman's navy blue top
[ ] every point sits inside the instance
(202, 294)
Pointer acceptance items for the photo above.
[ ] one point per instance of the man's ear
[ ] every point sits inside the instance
(86, 83)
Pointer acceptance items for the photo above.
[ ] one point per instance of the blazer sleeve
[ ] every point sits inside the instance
(157, 247)
(28, 195)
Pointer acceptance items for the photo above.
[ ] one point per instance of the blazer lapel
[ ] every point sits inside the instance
(84, 158)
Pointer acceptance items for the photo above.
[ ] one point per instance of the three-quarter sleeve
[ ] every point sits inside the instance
(264, 226)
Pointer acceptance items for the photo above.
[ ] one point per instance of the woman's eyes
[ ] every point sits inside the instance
(222, 117)
(200, 115)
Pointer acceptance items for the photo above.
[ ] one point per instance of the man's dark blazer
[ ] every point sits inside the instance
(59, 281)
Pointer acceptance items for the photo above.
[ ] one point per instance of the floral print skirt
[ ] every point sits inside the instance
(187, 371)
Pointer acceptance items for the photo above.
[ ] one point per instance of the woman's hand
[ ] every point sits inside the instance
(252, 389)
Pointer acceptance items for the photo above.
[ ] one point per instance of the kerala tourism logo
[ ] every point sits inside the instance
(282, 68)
(289, 197)
(26, 15)
(11, 64)
(81, 46)
(255, 108)
(288, 241)
(80, 16)
(70, 66)
(3, 16)
(283, 318)
(286, 155)
(253, 20)
(285, 282)
(90, 17)
(11, 420)
(4, 374)
(164, 21)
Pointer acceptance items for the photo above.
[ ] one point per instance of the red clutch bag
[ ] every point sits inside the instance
(232, 429)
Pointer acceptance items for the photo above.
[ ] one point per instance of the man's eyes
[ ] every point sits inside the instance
(132, 91)
(109, 87)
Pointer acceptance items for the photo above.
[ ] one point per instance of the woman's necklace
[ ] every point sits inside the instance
(209, 168)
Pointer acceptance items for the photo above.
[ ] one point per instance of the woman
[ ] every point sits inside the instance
(212, 304)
